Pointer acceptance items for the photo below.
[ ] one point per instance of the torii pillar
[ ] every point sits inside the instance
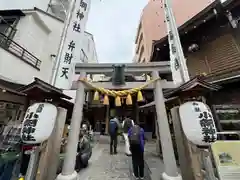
(171, 171)
(68, 171)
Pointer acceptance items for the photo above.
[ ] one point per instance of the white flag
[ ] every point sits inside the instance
(72, 47)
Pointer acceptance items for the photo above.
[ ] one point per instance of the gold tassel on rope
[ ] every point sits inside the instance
(129, 99)
(139, 96)
(96, 96)
(106, 100)
(118, 101)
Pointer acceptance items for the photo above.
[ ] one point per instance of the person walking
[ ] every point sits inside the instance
(127, 124)
(113, 132)
(136, 139)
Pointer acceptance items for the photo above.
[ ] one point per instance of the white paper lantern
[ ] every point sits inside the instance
(198, 123)
(38, 123)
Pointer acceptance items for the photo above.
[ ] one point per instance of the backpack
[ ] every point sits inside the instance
(112, 127)
(135, 136)
(127, 125)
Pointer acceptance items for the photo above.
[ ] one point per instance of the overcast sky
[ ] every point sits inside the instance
(113, 24)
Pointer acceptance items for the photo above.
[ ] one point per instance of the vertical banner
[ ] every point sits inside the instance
(177, 60)
(174, 59)
(72, 46)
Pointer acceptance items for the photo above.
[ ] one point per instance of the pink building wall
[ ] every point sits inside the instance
(153, 26)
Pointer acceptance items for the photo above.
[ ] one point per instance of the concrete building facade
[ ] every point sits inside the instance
(29, 40)
(152, 26)
(29, 43)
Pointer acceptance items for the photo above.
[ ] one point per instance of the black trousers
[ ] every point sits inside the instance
(137, 160)
(113, 143)
(24, 163)
(78, 164)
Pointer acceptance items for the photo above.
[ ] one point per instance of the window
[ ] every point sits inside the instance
(141, 53)
(83, 56)
(8, 26)
(9, 112)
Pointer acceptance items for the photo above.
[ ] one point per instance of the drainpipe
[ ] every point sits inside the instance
(54, 69)
(49, 5)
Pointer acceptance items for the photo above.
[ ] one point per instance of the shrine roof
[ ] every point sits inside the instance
(11, 91)
(10, 87)
(194, 85)
(39, 87)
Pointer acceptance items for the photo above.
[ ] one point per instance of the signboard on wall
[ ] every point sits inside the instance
(227, 159)
(38, 123)
(198, 123)
(72, 47)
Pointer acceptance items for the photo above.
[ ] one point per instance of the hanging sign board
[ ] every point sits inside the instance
(198, 123)
(38, 123)
(72, 47)
(227, 159)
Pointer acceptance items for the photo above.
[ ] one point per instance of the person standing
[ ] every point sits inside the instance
(136, 139)
(113, 132)
(127, 124)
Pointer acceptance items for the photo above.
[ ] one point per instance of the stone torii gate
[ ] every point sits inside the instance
(154, 70)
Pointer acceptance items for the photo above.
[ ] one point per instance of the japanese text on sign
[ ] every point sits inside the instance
(206, 123)
(197, 123)
(38, 123)
(72, 47)
(29, 125)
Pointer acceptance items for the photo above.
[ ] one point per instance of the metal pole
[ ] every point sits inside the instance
(172, 27)
(33, 164)
(63, 38)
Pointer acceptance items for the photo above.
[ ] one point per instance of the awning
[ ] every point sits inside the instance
(41, 88)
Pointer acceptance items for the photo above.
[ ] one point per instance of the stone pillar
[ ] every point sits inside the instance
(52, 150)
(137, 111)
(171, 171)
(56, 140)
(158, 150)
(107, 119)
(182, 146)
(68, 172)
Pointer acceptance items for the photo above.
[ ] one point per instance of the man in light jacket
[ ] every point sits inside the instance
(127, 124)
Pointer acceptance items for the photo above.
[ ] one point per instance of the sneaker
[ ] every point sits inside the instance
(141, 178)
(128, 154)
(135, 177)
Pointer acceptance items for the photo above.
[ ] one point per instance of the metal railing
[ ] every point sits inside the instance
(17, 50)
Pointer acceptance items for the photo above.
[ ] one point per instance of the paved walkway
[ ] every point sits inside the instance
(154, 162)
(103, 166)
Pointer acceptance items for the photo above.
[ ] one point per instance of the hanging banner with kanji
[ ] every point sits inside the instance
(72, 47)
(174, 58)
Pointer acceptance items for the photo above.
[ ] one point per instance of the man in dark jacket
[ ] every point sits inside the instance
(136, 139)
(113, 132)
